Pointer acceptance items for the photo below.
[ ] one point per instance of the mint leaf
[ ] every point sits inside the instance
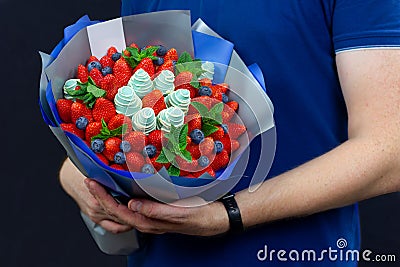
(186, 155)
(213, 121)
(169, 154)
(185, 57)
(97, 92)
(162, 158)
(208, 129)
(202, 109)
(217, 109)
(150, 51)
(182, 137)
(173, 171)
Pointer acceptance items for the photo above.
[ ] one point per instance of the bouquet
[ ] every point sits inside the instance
(170, 115)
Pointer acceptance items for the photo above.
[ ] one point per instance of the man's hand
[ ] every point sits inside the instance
(152, 217)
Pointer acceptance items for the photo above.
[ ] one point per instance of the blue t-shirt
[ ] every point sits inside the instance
(294, 42)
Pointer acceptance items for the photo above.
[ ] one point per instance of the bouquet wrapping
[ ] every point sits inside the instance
(89, 38)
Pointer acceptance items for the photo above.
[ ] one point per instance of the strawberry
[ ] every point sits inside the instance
(126, 53)
(206, 146)
(221, 87)
(71, 128)
(233, 105)
(229, 113)
(122, 72)
(96, 76)
(134, 45)
(235, 130)
(111, 51)
(194, 151)
(80, 110)
(188, 140)
(103, 109)
(91, 59)
(154, 100)
(226, 141)
(205, 82)
(118, 120)
(235, 145)
(208, 170)
(171, 54)
(64, 109)
(111, 147)
(137, 140)
(193, 91)
(184, 77)
(217, 95)
(157, 166)
(206, 100)
(220, 161)
(134, 161)
(103, 159)
(155, 139)
(147, 65)
(193, 121)
(108, 84)
(106, 61)
(82, 73)
(218, 134)
(92, 129)
(168, 65)
(118, 167)
(186, 166)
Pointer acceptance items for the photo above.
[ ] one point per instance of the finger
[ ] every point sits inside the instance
(159, 211)
(114, 227)
(118, 212)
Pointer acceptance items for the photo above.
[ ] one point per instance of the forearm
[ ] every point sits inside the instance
(71, 180)
(358, 169)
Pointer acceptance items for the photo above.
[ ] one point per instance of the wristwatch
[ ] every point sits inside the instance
(235, 219)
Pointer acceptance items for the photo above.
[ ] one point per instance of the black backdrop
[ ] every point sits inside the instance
(40, 225)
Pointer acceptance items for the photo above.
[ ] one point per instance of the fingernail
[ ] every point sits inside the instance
(86, 181)
(136, 205)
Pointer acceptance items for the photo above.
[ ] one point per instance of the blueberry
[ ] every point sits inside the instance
(125, 146)
(159, 61)
(148, 168)
(225, 128)
(197, 136)
(116, 56)
(93, 65)
(161, 51)
(219, 146)
(205, 91)
(203, 161)
(81, 123)
(225, 98)
(106, 70)
(150, 151)
(119, 158)
(97, 145)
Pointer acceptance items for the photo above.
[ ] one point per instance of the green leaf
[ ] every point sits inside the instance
(185, 57)
(212, 121)
(169, 154)
(209, 129)
(202, 109)
(162, 158)
(96, 91)
(173, 171)
(217, 109)
(118, 131)
(150, 51)
(182, 136)
(186, 155)
(132, 62)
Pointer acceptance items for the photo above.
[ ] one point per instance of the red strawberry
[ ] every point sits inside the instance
(147, 65)
(226, 141)
(103, 109)
(134, 45)
(208, 170)
(92, 129)
(186, 166)
(207, 146)
(188, 140)
(111, 51)
(118, 167)
(206, 100)
(155, 139)
(220, 161)
(118, 120)
(222, 87)
(108, 84)
(235, 145)
(122, 72)
(96, 76)
(154, 100)
(218, 134)
(111, 147)
(229, 113)
(91, 59)
(233, 105)
(64, 109)
(137, 140)
(71, 128)
(157, 166)
(193, 121)
(183, 78)
(194, 151)
(82, 73)
(80, 110)
(235, 130)
(103, 159)
(106, 61)
(205, 82)
(193, 91)
(217, 95)
(134, 161)
(126, 53)
(168, 65)
(171, 54)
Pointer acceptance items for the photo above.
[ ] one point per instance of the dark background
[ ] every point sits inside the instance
(40, 224)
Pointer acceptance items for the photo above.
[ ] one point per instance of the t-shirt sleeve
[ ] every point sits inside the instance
(366, 24)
